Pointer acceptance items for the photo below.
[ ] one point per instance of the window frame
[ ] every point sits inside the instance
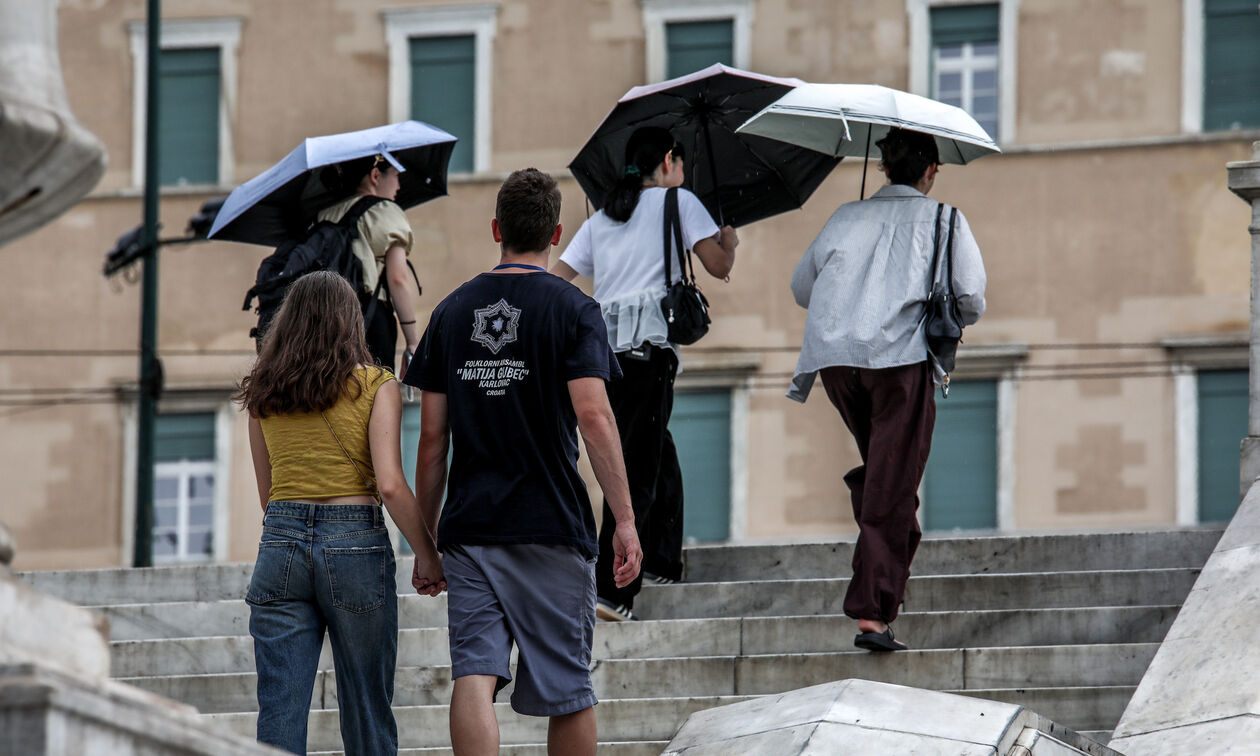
(183, 470)
(177, 34)
(736, 375)
(1003, 364)
(659, 13)
(225, 416)
(1191, 354)
(479, 20)
(920, 52)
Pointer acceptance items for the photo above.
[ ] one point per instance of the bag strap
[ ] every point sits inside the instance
(674, 241)
(362, 477)
(936, 249)
(949, 252)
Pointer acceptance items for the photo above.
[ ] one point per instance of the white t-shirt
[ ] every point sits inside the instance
(624, 258)
(627, 263)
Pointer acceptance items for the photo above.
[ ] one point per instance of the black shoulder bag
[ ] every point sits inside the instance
(943, 325)
(685, 309)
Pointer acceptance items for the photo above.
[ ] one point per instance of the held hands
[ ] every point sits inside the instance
(627, 555)
(427, 576)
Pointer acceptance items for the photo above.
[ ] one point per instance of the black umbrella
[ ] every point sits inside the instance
(740, 178)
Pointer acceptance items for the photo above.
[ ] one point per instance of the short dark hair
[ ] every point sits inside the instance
(907, 154)
(528, 209)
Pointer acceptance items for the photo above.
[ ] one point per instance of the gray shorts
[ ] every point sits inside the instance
(540, 597)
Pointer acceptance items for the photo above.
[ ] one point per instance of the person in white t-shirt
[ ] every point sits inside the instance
(621, 248)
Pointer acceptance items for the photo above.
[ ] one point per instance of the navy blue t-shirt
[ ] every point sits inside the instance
(503, 348)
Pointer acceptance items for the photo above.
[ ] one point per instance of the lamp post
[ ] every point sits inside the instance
(1244, 180)
(150, 370)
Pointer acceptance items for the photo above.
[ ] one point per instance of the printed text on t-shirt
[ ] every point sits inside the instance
(493, 376)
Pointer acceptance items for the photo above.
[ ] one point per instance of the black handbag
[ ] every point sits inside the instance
(943, 324)
(685, 309)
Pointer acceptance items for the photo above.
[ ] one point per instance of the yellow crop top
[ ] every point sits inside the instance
(307, 463)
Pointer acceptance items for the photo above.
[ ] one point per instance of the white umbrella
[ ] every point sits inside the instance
(284, 199)
(847, 120)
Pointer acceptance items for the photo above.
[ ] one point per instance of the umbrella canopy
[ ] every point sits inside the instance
(740, 178)
(283, 200)
(847, 119)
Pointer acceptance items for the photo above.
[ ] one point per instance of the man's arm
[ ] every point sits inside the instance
(603, 447)
(969, 275)
(431, 456)
(262, 461)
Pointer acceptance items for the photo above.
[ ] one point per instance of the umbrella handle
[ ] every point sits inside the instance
(708, 149)
(865, 158)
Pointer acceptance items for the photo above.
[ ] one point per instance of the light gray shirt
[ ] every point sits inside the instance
(865, 281)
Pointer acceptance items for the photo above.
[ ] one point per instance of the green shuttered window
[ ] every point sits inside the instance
(701, 427)
(960, 484)
(693, 45)
(188, 116)
(965, 60)
(1222, 398)
(183, 436)
(1231, 64)
(443, 90)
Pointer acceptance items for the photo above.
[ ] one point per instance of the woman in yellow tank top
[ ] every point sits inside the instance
(324, 432)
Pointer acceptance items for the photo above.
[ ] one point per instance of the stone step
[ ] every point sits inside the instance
(708, 637)
(634, 720)
(924, 594)
(951, 555)
(1078, 708)
(1022, 591)
(961, 669)
(936, 556)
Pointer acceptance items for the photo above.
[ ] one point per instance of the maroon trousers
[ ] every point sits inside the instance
(890, 412)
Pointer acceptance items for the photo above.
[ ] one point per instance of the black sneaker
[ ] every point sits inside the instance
(610, 612)
(658, 579)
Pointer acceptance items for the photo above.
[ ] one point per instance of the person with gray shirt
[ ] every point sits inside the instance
(864, 282)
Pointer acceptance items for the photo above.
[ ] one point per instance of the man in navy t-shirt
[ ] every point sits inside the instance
(511, 365)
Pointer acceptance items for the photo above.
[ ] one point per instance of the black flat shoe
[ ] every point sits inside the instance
(879, 642)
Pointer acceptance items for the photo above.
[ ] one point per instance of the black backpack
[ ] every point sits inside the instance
(325, 246)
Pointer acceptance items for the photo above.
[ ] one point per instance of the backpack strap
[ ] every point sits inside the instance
(356, 211)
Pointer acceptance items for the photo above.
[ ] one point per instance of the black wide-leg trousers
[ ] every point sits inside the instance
(891, 413)
(642, 402)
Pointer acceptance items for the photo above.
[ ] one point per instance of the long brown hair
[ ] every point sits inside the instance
(310, 351)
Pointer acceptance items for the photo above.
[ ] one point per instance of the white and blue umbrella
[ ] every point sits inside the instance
(283, 200)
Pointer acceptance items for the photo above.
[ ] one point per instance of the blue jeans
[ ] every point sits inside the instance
(325, 567)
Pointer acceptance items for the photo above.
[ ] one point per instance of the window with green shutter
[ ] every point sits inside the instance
(443, 91)
(1231, 64)
(693, 45)
(1222, 398)
(188, 116)
(701, 427)
(965, 60)
(184, 473)
(960, 484)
